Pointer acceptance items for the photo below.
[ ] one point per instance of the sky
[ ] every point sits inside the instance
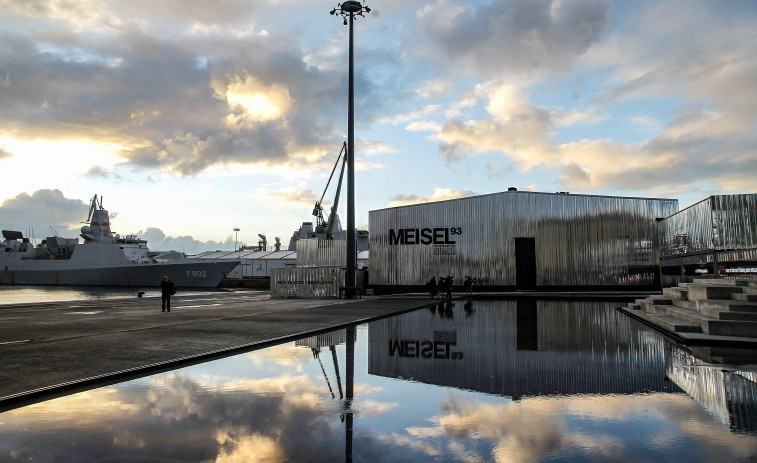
(194, 118)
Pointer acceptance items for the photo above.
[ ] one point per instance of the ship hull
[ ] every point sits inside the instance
(196, 274)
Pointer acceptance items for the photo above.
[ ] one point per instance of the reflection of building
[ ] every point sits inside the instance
(720, 231)
(566, 348)
(728, 395)
(332, 338)
(520, 239)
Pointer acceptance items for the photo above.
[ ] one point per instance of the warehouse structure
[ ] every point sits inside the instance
(714, 237)
(520, 240)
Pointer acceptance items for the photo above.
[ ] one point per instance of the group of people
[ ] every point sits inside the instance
(443, 287)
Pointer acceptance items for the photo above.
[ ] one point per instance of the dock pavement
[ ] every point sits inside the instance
(53, 349)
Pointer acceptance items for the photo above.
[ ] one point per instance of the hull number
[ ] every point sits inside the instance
(197, 273)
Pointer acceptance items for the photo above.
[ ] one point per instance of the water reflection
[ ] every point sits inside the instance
(531, 381)
(524, 347)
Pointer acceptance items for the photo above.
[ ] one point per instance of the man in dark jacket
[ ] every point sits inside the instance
(167, 289)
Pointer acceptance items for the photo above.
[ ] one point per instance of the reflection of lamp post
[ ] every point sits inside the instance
(236, 235)
(350, 9)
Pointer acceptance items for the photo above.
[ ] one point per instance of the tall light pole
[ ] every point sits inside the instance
(236, 236)
(348, 10)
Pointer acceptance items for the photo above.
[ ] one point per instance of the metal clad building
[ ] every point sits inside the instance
(520, 239)
(720, 229)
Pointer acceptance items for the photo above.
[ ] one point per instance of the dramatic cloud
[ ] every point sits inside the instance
(214, 97)
(440, 194)
(42, 211)
(715, 123)
(514, 36)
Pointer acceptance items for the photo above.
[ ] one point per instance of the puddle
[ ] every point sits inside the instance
(502, 381)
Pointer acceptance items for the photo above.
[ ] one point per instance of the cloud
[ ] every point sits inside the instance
(204, 95)
(158, 241)
(440, 194)
(294, 196)
(98, 171)
(517, 127)
(42, 210)
(707, 139)
(517, 36)
(48, 212)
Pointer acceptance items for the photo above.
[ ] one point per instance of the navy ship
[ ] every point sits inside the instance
(103, 259)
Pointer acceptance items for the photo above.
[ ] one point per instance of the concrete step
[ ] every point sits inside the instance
(744, 297)
(723, 314)
(698, 291)
(648, 305)
(674, 324)
(682, 313)
(730, 328)
(749, 289)
(721, 281)
(727, 304)
(634, 306)
(724, 355)
(686, 304)
(678, 293)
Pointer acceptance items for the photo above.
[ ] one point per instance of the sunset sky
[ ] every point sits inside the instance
(192, 118)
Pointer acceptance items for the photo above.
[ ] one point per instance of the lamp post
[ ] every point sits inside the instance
(348, 10)
(236, 240)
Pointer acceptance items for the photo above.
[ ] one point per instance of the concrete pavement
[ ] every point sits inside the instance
(51, 349)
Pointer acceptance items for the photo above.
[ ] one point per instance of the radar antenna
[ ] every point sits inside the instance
(94, 204)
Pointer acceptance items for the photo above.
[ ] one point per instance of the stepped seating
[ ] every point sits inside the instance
(711, 307)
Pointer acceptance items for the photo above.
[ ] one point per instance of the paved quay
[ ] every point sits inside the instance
(51, 349)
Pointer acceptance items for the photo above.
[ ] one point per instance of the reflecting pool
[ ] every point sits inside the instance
(512, 380)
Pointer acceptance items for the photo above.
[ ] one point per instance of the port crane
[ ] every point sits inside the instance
(324, 227)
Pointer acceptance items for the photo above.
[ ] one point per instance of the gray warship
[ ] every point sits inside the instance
(103, 259)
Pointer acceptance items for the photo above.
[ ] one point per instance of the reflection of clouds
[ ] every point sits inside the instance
(285, 355)
(235, 448)
(408, 442)
(175, 417)
(534, 428)
(372, 408)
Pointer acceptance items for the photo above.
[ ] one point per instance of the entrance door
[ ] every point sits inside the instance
(525, 263)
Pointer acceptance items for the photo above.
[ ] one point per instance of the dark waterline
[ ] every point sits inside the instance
(503, 381)
(41, 293)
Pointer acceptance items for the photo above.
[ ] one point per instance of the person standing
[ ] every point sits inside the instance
(167, 289)
(431, 286)
(468, 285)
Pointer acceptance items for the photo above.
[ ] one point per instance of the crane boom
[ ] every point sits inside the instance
(321, 225)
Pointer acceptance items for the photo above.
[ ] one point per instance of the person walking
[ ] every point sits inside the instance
(167, 289)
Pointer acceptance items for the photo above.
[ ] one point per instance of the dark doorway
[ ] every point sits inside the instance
(525, 263)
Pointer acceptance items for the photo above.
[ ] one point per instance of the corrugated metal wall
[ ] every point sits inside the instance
(315, 252)
(580, 239)
(306, 282)
(723, 222)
